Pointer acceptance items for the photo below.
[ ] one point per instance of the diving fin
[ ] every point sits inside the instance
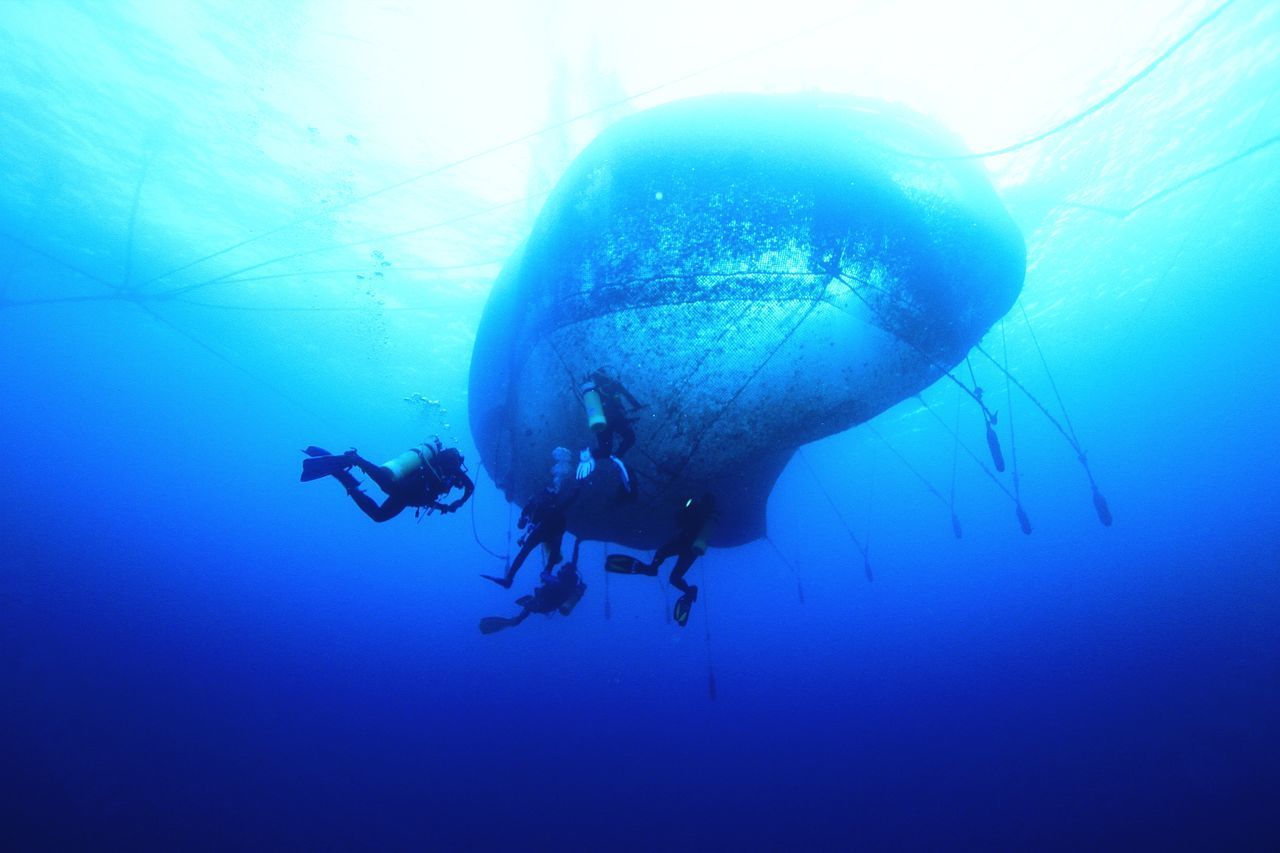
(494, 624)
(683, 605)
(622, 472)
(314, 467)
(625, 564)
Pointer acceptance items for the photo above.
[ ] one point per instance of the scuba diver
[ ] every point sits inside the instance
(544, 515)
(616, 421)
(693, 525)
(602, 397)
(419, 477)
(561, 593)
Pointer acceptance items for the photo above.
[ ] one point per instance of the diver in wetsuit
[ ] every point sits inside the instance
(419, 478)
(603, 396)
(687, 545)
(544, 515)
(617, 420)
(559, 593)
(693, 523)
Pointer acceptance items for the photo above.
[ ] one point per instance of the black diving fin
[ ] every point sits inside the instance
(625, 564)
(320, 463)
(494, 624)
(683, 604)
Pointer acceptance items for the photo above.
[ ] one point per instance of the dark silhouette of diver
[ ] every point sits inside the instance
(617, 422)
(602, 397)
(559, 593)
(419, 477)
(693, 522)
(544, 515)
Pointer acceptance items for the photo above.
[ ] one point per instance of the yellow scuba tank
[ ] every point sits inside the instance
(410, 461)
(594, 405)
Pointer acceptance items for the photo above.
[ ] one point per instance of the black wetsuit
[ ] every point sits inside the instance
(545, 515)
(690, 520)
(422, 488)
(560, 593)
(617, 423)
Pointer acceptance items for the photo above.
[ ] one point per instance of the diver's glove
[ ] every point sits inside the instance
(585, 464)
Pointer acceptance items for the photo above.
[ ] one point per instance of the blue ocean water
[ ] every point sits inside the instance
(228, 233)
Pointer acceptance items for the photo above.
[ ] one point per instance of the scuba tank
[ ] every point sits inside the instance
(594, 405)
(412, 460)
(575, 595)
